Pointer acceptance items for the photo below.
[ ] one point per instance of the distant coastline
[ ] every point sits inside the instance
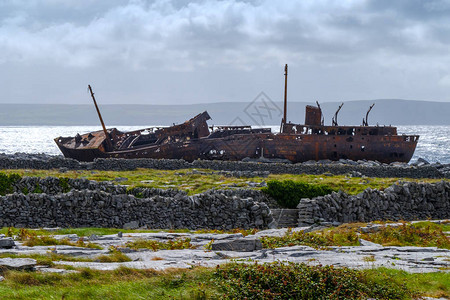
(385, 112)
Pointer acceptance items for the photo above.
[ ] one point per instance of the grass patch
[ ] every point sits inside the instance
(122, 283)
(33, 238)
(423, 234)
(47, 259)
(232, 281)
(321, 239)
(196, 183)
(155, 245)
(436, 284)
(114, 256)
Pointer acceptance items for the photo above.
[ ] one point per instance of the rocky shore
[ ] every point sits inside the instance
(419, 169)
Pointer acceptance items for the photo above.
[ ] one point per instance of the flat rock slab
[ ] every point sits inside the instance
(7, 243)
(44, 269)
(410, 259)
(239, 245)
(17, 263)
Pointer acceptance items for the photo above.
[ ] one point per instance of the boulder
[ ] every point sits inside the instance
(131, 225)
(7, 243)
(240, 245)
(17, 263)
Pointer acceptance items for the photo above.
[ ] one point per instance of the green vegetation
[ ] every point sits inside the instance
(88, 231)
(300, 281)
(155, 245)
(31, 238)
(114, 256)
(424, 234)
(64, 183)
(7, 181)
(318, 239)
(47, 259)
(232, 281)
(194, 183)
(288, 193)
(123, 283)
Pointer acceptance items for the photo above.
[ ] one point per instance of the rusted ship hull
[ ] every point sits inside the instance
(297, 143)
(293, 147)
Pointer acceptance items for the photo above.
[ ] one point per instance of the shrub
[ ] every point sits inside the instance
(300, 281)
(64, 184)
(7, 182)
(288, 193)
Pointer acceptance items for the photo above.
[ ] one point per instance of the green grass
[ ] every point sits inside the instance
(435, 284)
(47, 259)
(88, 231)
(423, 234)
(229, 281)
(155, 245)
(122, 283)
(197, 183)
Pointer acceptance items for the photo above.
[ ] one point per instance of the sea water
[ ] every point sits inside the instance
(434, 141)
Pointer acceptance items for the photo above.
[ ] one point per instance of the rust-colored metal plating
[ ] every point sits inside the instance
(193, 140)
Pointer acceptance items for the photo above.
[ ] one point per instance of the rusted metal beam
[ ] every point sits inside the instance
(285, 94)
(366, 120)
(334, 120)
(107, 137)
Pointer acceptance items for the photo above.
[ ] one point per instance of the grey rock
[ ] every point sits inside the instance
(368, 243)
(131, 225)
(244, 245)
(7, 243)
(17, 263)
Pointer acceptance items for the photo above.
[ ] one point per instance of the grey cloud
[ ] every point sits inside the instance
(403, 42)
(96, 31)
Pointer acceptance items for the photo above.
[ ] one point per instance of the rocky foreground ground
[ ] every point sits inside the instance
(212, 249)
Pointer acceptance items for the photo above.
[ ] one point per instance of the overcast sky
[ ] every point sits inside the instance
(180, 52)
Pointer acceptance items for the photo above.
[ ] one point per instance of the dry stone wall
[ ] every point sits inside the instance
(409, 201)
(360, 168)
(97, 204)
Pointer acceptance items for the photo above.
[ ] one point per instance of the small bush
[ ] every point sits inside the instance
(288, 193)
(7, 182)
(300, 281)
(64, 184)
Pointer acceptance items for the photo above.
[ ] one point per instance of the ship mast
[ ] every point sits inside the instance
(107, 137)
(284, 121)
(285, 93)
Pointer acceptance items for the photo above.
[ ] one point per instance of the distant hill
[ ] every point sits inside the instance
(261, 112)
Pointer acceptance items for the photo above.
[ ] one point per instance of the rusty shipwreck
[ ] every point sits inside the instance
(193, 140)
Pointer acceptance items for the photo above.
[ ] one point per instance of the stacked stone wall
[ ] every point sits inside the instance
(409, 201)
(360, 168)
(101, 204)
